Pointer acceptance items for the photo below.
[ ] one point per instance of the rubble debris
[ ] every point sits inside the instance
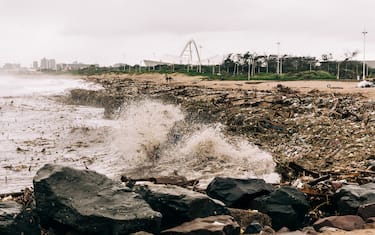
(324, 133)
(17, 219)
(246, 217)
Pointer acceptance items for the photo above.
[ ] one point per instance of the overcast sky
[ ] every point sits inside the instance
(110, 31)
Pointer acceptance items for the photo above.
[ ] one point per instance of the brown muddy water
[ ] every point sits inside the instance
(146, 138)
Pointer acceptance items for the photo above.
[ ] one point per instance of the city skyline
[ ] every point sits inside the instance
(110, 32)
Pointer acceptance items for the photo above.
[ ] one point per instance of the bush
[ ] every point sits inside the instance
(312, 75)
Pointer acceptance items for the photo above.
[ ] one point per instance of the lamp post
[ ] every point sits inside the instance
(364, 54)
(278, 58)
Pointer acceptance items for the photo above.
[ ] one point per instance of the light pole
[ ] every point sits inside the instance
(278, 58)
(364, 54)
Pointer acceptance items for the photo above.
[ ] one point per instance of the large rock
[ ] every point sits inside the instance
(90, 203)
(238, 193)
(286, 206)
(213, 225)
(346, 222)
(178, 205)
(14, 219)
(349, 198)
(367, 210)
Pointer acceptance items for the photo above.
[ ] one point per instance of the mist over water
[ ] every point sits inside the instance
(24, 85)
(155, 139)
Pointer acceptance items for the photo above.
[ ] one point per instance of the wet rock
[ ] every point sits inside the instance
(15, 220)
(349, 198)
(253, 228)
(366, 210)
(346, 222)
(286, 206)
(178, 205)
(69, 199)
(215, 225)
(238, 193)
(246, 217)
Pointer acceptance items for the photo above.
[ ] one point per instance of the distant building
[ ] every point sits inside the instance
(47, 64)
(43, 64)
(11, 67)
(35, 65)
(74, 66)
(51, 64)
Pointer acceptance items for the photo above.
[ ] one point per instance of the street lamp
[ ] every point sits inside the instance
(278, 58)
(364, 54)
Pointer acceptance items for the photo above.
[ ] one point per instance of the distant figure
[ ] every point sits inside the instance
(167, 78)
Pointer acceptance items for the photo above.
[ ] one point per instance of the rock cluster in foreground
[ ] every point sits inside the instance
(70, 201)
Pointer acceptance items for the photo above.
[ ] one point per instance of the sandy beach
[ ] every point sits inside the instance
(339, 86)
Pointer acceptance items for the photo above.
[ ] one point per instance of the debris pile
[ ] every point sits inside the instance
(326, 133)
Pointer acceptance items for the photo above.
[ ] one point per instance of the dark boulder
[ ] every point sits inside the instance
(238, 193)
(350, 197)
(346, 222)
(213, 225)
(286, 206)
(178, 205)
(90, 203)
(254, 228)
(14, 219)
(367, 210)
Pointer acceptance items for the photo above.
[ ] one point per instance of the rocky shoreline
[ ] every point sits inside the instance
(321, 141)
(71, 201)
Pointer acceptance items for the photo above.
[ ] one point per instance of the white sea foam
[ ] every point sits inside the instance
(155, 140)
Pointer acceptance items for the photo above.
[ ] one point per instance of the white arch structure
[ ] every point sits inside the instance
(189, 49)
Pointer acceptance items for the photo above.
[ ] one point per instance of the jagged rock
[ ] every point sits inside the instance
(286, 206)
(246, 217)
(346, 222)
(349, 198)
(215, 225)
(253, 228)
(90, 203)
(178, 205)
(238, 193)
(15, 220)
(366, 210)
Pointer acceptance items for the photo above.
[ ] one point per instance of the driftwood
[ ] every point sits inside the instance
(301, 170)
(174, 180)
